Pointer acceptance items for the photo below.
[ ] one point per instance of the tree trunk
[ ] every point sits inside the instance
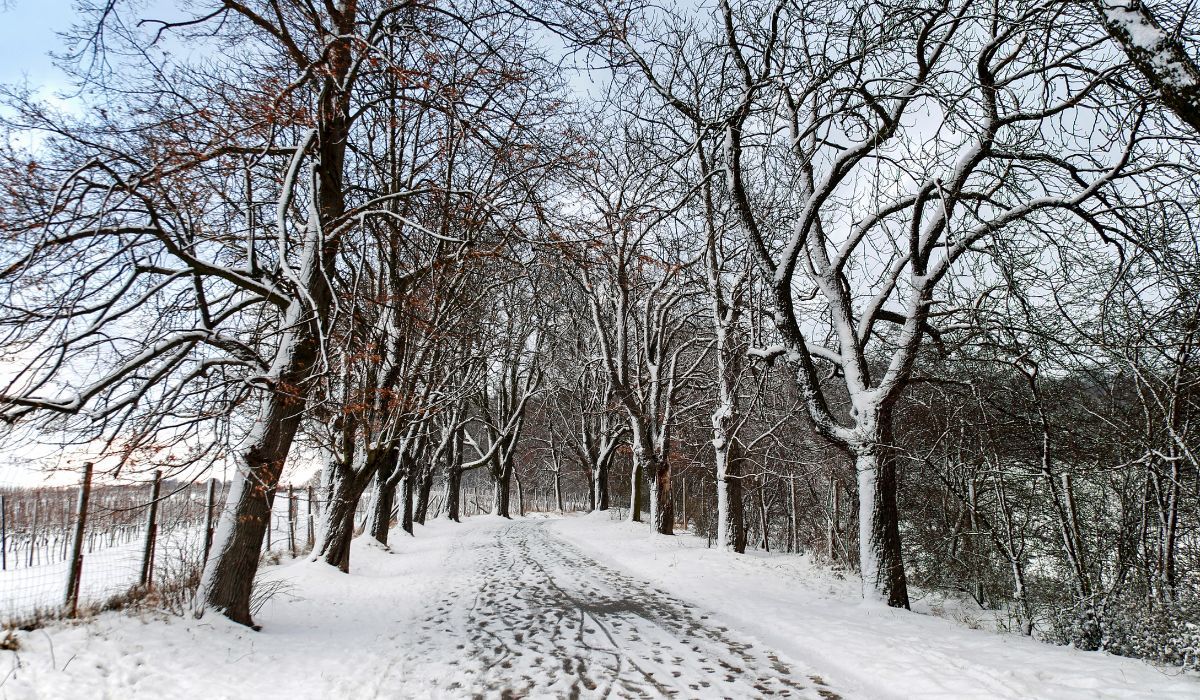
(731, 528)
(1171, 536)
(500, 495)
(385, 497)
(227, 581)
(381, 517)
(684, 504)
(793, 520)
(453, 492)
(520, 495)
(662, 503)
(880, 558)
(424, 487)
(345, 490)
(228, 578)
(835, 514)
(406, 501)
(381, 511)
(1012, 552)
(764, 521)
(636, 497)
(600, 499)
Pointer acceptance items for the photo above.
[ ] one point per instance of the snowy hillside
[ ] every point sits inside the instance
(572, 607)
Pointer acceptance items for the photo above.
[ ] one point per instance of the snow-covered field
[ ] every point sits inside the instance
(572, 607)
(107, 572)
(113, 569)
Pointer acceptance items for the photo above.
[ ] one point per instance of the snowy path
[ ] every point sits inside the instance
(541, 617)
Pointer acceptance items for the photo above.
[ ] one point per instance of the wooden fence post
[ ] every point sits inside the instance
(3, 534)
(291, 505)
(76, 568)
(311, 529)
(147, 578)
(33, 529)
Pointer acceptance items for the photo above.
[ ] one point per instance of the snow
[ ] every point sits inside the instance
(866, 649)
(1151, 40)
(108, 571)
(551, 607)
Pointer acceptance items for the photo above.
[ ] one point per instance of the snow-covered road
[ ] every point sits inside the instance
(541, 617)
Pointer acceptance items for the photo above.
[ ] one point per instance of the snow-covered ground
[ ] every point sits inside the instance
(866, 650)
(112, 570)
(573, 607)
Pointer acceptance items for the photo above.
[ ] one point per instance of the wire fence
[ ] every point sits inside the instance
(97, 544)
(92, 545)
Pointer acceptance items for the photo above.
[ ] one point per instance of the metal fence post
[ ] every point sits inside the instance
(76, 568)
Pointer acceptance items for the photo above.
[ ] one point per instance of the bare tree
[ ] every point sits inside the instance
(877, 209)
(637, 288)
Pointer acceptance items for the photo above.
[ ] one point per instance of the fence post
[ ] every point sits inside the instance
(311, 543)
(75, 570)
(3, 534)
(292, 521)
(209, 502)
(147, 579)
(33, 528)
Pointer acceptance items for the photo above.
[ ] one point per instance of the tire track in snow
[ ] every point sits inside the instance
(534, 616)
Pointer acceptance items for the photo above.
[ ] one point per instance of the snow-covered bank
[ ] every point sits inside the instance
(807, 612)
(583, 606)
(326, 635)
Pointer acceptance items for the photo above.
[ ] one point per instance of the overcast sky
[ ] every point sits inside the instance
(27, 34)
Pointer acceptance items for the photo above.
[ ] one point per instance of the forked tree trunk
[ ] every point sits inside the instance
(600, 498)
(880, 558)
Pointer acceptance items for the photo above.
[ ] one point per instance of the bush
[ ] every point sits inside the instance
(1168, 633)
